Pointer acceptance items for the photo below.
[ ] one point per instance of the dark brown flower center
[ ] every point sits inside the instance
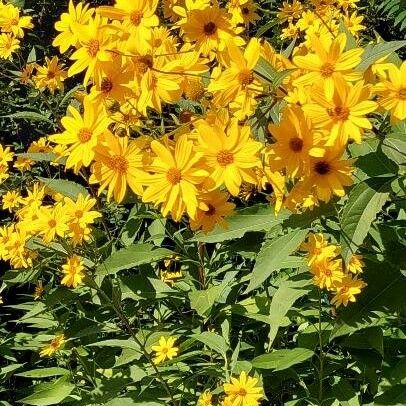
(106, 85)
(210, 28)
(322, 167)
(296, 144)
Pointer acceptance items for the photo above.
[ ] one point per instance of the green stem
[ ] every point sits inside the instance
(321, 355)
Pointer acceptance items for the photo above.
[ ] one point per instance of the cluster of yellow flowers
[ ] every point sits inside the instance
(12, 26)
(44, 216)
(134, 66)
(329, 270)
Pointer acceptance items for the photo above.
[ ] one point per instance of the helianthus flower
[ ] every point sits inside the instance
(68, 35)
(8, 45)
(51, 75)
(80, 211)
(118, 163)
(327, 272)
(296, 141)
(243, 391)
(52, 222)
(174, 177)
(392, 92)
(238, 79)
(346, 290)
(353, 23)
(344, 116)
(73, 271)
(81, 134)
(96, 45)
(210, 28)
(138, 17)
(212, 210)
(328, 175)
(12, 22)
(165, 349)
(231, 157)
(331, 66)
(355, 264)
(53, 346)
(319, 249)
(205, 399)
(11, 200)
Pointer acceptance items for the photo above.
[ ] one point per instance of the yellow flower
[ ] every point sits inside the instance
(343, 116)
(209, 28)
(318, 248)
(80, 211)
(53, 346)
(170, 277)
(205, 399)
(327, 273)
(242, 12)
(392, 92)
(346, 290)
(11, 200)
(27, 72)
(355, 264)
(329, 65)
(328, 175)
(231, 158)
(12, 22)
(51, 75)
(238, 79)
(118, 163)
(353, 23)
(175, 175)
(296, 141)
(212, 210)
(243, 391)
(68, 35)
(290, 11)
(8, 45)
(345, 4)
(73, 271)
(94, 50)
(165, 349)
(138, 17)
(52, 222)
(81, 134)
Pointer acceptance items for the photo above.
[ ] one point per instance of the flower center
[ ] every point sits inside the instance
(84, 135)
(327, 272)
(106, 85)
(402, 94)
(78, 214)
(210, 28)
(52, 223)
(118, 163)
(246, 77)
(143, 63)
(93, 47)
(245, 10)
(242, 392)
(344, 289)
(165, 350)
(296, 144)
(174, 176)
(327, 70)
(211, 210)
(339, 113)
(225, 158)
(322, 167)
(136, 17)
(50, 74)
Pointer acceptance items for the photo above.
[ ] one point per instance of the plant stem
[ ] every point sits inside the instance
(321, 355)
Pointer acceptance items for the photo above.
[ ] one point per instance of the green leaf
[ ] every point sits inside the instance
(374, 52)
(260, 217)
(266, 71)
(64, 187)
(138, 287)
(128, 344)
(130, 257)
(52, 393)
(203, 300)
(283, 299)
(282, 359)
(272, 256)
(40, 156)
(212, 340)
(44, 372)
(394, 144)
(344, 392)
(364, 203)
(29, 116)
